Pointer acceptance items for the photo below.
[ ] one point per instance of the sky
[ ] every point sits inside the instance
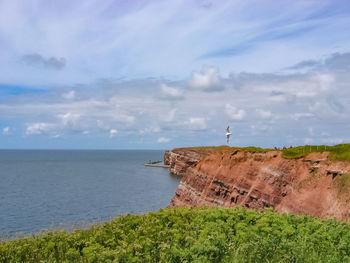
(138, 74)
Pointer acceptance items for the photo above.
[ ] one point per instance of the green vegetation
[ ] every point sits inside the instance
(191, 235)
(340, 152)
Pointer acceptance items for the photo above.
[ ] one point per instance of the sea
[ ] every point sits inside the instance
(42, 190)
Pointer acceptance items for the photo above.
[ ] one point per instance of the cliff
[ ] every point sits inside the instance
(227, 177)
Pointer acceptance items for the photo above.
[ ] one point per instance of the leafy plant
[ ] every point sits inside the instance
(191, 235)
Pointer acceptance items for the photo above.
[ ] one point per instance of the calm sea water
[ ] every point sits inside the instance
(43, 189)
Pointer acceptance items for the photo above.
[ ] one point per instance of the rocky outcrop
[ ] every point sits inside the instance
(181, 159)
(310, 185)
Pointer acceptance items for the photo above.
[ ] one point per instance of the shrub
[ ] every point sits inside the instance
(191, 235)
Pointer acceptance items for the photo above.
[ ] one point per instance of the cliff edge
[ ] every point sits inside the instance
(227, 177)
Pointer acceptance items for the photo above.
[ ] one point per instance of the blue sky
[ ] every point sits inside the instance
(160, 74)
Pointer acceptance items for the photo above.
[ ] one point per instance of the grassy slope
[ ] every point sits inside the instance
(192, 235)
(339, 152)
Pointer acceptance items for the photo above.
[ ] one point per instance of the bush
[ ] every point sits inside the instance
(191, 235)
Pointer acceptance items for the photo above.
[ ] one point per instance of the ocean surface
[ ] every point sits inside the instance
(42, 189)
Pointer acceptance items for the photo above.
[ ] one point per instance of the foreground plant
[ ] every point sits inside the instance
(191, 235)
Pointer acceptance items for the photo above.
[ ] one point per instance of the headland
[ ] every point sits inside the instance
(312, 180)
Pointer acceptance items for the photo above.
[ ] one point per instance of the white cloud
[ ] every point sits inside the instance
(112, 133)
(69, 119)
(168, 116)
(70, 95)
(41, 128)
(264, 114)
(150, 130)
(208, 79)
(125, 118)
(196, 124)
(171, 93)
(135, 107)
(163, 140)
(156, 33)
(297, 116)
(235, 113)
(6, 131)
(324, 81)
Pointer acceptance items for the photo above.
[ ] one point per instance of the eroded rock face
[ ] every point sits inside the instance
(311, 185)
(181, 159)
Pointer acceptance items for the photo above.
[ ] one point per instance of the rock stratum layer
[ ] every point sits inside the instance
(226, 177)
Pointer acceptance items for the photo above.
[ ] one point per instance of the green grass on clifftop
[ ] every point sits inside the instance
(340, 152)
(191, 235)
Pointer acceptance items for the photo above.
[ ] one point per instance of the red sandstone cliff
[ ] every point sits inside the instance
(310, 185)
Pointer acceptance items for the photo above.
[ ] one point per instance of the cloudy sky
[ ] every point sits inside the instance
(137, 74)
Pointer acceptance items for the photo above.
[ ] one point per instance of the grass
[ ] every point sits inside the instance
(340, 152)
(191, 235)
